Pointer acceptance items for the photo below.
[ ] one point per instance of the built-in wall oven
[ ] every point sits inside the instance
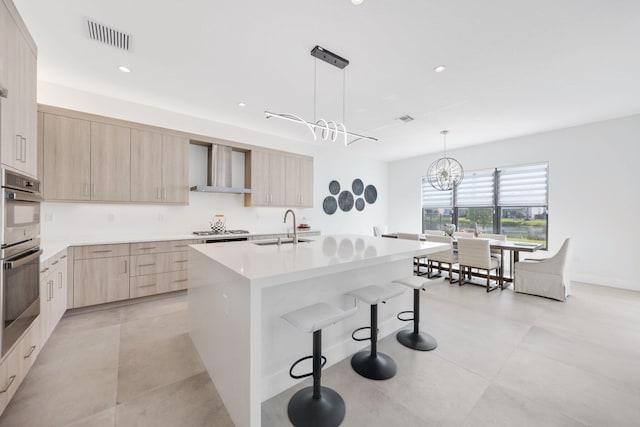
(20, 254)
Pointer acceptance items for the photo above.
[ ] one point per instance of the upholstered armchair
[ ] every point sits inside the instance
(546, 278)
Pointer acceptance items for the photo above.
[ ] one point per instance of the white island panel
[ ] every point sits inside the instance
(238, 292)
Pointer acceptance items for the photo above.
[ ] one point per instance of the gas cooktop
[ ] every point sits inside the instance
(213, 233)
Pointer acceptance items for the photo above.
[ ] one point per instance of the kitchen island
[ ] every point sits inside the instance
(238, 292)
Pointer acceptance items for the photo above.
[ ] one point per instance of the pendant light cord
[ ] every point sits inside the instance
(315, 89)
(344, 97)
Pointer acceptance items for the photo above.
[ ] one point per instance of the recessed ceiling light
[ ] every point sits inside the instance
(356, 2)
(124, 69)
(440, 68)
(241, 104)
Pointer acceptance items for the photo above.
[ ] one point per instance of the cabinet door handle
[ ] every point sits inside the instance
(86, 190)
(24, 150)
(28, 355)
(164, 193)
(55, 262)
(102, 252)
(50, 290)
(11, 379)
(147, 265)
(63, 257)
(44, 271)
(19, 148)
(180, 246)
(93, 190)
(146, 248)
(147, 286)
(60, 277)
(126, 266)
(181, 280)
(183, 260)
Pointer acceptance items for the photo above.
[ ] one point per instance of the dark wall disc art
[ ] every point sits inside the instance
(345, 201)
(357, 187)
(370, 194)
(334, 187)
(360, 204)
(330, 205)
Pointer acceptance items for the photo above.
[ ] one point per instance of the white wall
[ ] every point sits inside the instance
(69, 219)
(593, 193)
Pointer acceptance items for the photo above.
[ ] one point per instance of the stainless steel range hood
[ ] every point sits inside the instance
(220, 168)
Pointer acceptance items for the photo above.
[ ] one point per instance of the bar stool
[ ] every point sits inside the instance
(316, 406)
(414, 338)
(372, 364)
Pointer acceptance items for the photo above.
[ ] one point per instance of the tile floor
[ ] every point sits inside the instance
(503, 359)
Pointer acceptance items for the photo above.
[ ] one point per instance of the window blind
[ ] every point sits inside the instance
(523, 185)
(432, 198)
(476, 189)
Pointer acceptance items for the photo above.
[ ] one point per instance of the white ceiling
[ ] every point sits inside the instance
(513, 67)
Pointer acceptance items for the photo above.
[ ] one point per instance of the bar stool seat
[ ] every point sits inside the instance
(373, 364)
(316, 406)
(414, 338)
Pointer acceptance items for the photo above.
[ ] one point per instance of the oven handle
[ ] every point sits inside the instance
(22, 197)
(9, 265)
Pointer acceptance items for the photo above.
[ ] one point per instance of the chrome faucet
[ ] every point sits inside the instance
(295, 230)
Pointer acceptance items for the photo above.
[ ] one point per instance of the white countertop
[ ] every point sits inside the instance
(270, 265)
(51, 247)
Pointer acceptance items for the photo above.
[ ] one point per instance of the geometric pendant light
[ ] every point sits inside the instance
(446, 172)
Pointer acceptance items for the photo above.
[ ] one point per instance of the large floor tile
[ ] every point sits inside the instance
(193, 401)
(157, 307)
(499, 407)
(584, 396)
(106, 418)
(590, 356)
(84, 322)
(146, 365)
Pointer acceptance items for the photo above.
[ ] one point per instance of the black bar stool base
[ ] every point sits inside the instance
(379, 367)
(418, 341)
(305, 411)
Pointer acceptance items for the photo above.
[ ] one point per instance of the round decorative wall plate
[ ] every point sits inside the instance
(345, 201)
(334, 187)
(370, 194)
(330, 205)
(357, 187)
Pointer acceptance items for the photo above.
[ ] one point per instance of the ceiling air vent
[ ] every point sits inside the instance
(108, 35)
(405, 119)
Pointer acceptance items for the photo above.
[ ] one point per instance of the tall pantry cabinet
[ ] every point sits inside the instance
(18, 104)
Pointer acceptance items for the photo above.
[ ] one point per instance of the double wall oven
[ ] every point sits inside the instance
(20, 253)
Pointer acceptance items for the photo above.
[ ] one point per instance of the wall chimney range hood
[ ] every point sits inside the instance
(219, 172)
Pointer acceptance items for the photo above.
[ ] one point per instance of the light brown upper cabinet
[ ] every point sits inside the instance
(268, 179)
(298, 181)
(175, 169)
(67, 153)
(18, 111)
(279, 179)
(159, 167)
(110, 163)
(146, 161)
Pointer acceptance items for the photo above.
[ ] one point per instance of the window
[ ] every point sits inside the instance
(475, 200)
(437, 207)
(523, 202)
(511, 201)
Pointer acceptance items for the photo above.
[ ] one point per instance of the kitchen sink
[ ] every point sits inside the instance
(273, 242)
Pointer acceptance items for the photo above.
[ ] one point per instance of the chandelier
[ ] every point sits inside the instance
(325, 129)
(446, 172)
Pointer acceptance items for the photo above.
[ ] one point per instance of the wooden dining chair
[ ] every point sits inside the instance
(476, 253)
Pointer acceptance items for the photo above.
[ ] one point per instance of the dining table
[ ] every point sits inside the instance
(511, 246)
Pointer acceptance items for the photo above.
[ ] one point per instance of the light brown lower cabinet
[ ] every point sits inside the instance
(15, 365)
(142, 286)
(100, 280)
